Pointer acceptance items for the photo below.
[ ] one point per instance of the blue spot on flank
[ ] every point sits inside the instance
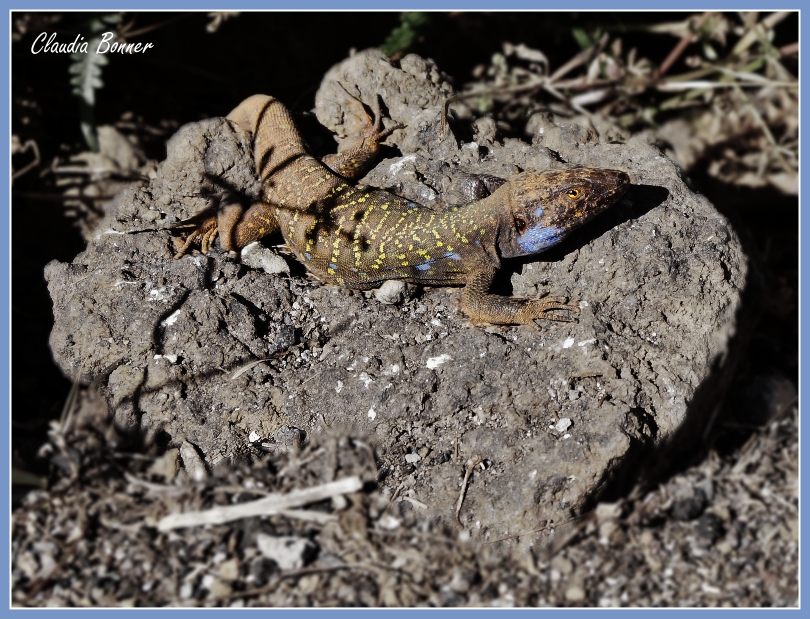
(452, 255)
(307, 255)
(539, 212)
(535, 240)
(424, 266)
(477, 242)
(411, 205)
(332, 265)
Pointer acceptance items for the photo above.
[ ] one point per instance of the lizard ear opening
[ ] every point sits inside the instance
(520, 224)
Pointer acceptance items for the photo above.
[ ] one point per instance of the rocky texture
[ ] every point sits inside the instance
(233, 358)
(738, 548)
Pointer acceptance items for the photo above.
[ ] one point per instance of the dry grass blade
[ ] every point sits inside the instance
(18, 149)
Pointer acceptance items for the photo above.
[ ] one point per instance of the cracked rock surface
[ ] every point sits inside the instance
(229, 356)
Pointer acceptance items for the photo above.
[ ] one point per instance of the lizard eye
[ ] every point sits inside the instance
(520, 224)
(573, 193)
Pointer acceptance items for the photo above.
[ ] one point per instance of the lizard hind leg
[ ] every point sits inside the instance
(222, 224)
(357, 153)
(483, 307)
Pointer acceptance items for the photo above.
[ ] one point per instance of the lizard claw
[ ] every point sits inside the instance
(203, 235)
(550, 309)
(228, 213)
(373, 130)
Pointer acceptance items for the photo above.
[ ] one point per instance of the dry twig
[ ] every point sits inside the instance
(271, 504)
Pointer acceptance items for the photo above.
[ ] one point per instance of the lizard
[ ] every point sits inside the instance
(358, 236)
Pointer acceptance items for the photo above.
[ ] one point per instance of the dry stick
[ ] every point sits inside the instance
(581, 58)
(526, 533)
(299, 514)
(789, 49)
(705, 84)
(568, 539)
(679, 48)
(517, 535)
(269, 505)
(470, 467)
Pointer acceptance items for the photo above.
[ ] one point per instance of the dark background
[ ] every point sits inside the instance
(191, 74)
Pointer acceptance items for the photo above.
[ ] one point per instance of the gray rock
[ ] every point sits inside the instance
(175, 343)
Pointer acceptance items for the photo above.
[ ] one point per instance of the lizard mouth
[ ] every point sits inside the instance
(616, 183)
(611, 185)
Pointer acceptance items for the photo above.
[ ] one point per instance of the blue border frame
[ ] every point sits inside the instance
(373, 5)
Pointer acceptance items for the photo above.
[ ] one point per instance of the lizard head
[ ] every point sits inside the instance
(546, 207)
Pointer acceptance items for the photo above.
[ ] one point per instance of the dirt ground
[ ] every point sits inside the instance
(704, 514)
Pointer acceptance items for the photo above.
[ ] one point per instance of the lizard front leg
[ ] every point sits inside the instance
(483, 307)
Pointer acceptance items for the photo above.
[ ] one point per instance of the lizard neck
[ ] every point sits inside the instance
(483, 223)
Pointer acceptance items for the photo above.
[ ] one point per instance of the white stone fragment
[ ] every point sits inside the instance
(258, 256)
(192, 462)
(434, 362)
(389, 522)
(390, 292)
(563, 424)
(365, 379)
(170, 319)
(288, 552)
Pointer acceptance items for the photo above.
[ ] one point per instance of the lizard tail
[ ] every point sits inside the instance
(276, 140)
